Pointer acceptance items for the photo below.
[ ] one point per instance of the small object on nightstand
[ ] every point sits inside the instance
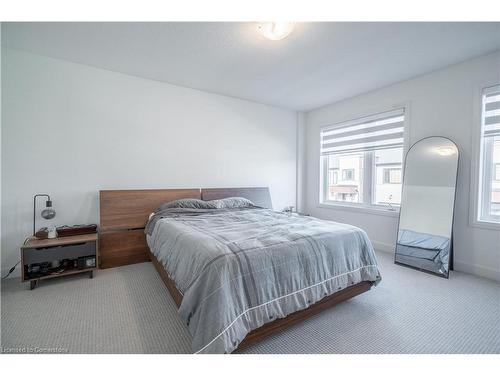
(290, 210)
(74, 230)
(52, 232)
(86, 262)
(81, 263)
(42, 233)
(90, 262)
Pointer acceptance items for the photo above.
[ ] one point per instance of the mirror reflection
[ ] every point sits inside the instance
(424, 238)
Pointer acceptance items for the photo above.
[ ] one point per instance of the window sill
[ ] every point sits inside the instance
(361, 209)
(482, 224)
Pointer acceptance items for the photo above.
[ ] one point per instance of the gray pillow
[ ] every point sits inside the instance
(233, 202)
(187, 203)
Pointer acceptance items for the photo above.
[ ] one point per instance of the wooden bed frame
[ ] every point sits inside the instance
(124, 214)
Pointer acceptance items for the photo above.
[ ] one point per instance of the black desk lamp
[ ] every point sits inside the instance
(47, 213)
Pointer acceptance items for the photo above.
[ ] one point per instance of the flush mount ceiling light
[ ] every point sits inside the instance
(275, 30)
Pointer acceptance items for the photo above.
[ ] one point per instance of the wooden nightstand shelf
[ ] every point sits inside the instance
(37, 252)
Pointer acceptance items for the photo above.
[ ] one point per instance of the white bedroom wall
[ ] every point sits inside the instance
(441, 103)
(70, 130)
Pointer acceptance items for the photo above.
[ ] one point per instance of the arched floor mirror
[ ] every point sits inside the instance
(425, 230)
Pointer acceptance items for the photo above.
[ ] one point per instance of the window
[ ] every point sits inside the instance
(348, 174)
(369, 154)
(392, 175)
(497, 172)
(489, 205)
(333, 176)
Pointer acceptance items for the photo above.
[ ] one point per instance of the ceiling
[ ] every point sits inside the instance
(319, 63)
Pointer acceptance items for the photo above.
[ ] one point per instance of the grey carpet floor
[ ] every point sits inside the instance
(128, 310)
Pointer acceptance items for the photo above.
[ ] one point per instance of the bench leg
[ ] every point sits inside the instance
(33, 284)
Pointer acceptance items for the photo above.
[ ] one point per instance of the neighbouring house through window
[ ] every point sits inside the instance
(392, 175)
(368, 153)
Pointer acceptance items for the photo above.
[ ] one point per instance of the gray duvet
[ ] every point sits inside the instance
(239, 269)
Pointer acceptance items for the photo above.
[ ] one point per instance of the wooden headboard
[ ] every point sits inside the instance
(124, 214)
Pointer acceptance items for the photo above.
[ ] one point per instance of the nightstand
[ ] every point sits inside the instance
(76, 254)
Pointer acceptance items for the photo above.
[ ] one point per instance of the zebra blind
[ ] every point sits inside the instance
(381, 131)
(491, 111)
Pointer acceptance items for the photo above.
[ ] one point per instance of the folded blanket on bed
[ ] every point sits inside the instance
(239, 269)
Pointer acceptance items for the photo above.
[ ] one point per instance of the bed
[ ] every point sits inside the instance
(238, 273)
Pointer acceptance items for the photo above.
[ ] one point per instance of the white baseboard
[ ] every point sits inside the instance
(474, 269)
(382, 246)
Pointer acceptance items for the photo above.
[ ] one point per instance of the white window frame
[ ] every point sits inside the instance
(364, 207)
(477, 189)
